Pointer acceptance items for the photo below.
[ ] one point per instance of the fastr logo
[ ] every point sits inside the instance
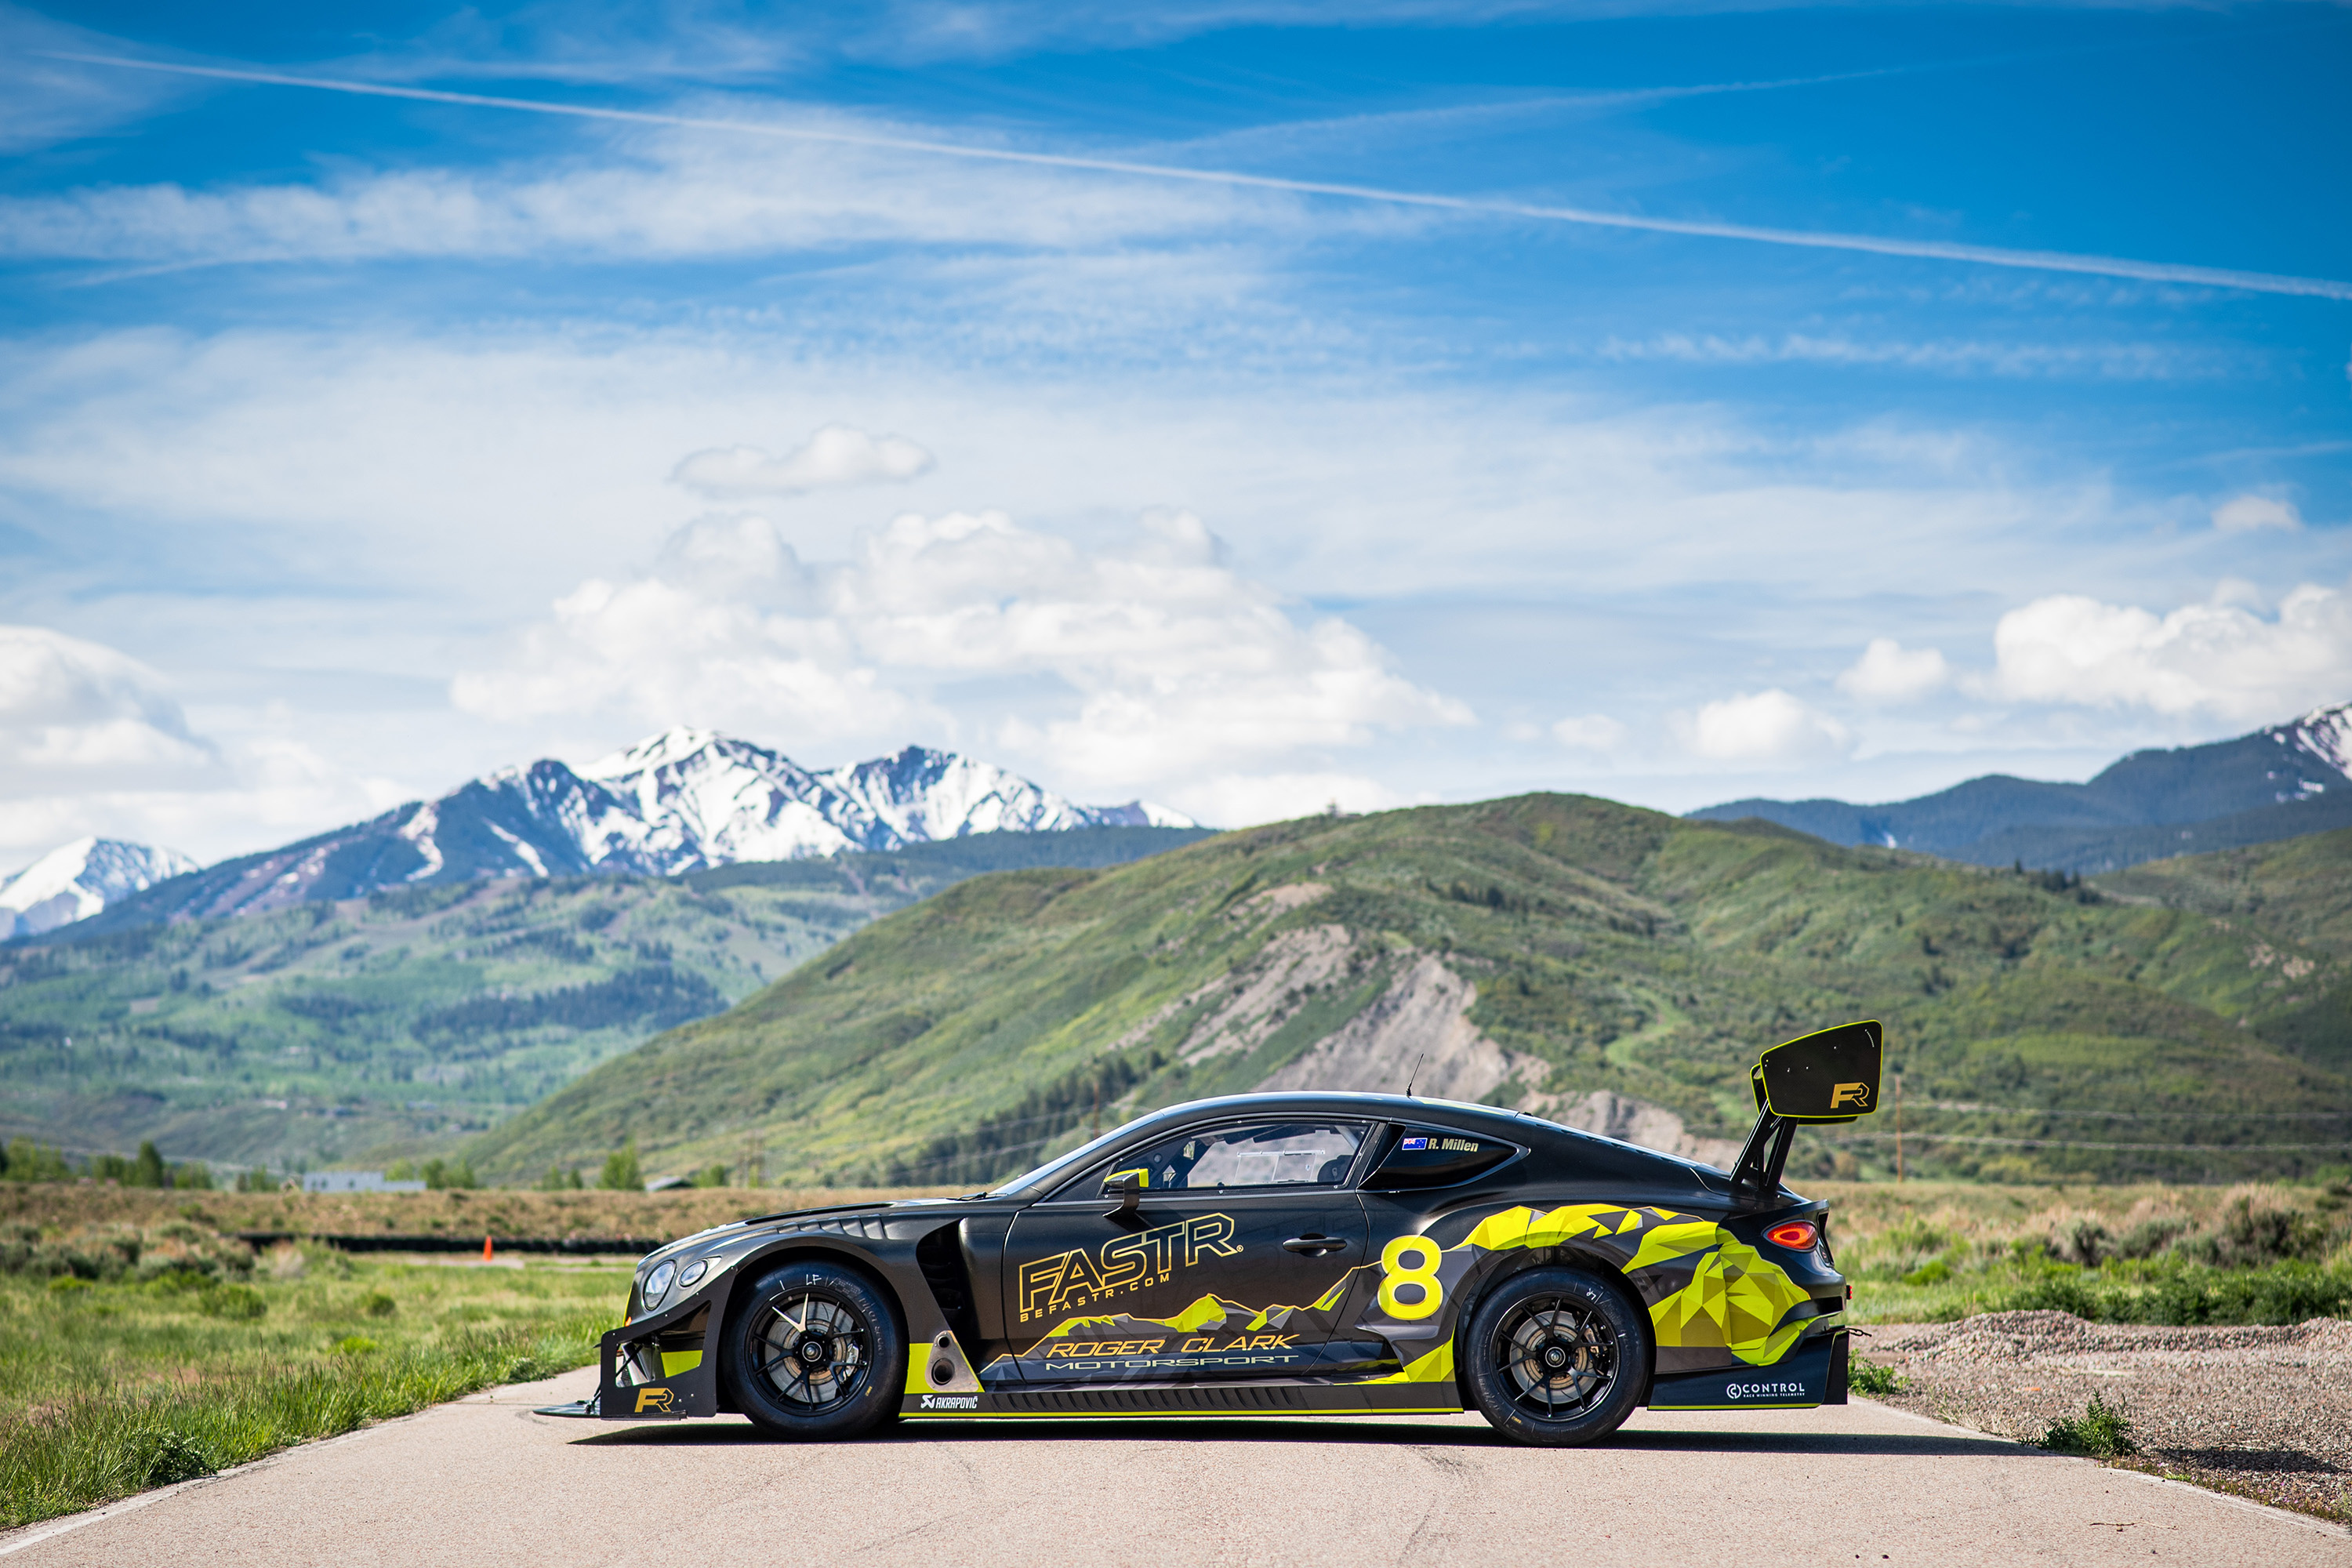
(1855, 1094)
(655, 1399)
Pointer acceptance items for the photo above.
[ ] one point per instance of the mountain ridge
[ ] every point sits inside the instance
(683, 801)
(2279, 782)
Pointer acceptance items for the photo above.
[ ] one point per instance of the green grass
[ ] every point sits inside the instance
(109, 1387)
(1937, 1252)
(1867, 1377)
(1617, 949)
(2101, 1431)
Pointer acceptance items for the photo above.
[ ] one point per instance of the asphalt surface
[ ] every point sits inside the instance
(486, 1481)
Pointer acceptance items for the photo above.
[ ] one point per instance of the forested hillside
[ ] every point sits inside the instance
(396, 1023)
(1534, 951)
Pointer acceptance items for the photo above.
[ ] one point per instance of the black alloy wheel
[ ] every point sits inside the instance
(1557, 1356)
(815, 1351)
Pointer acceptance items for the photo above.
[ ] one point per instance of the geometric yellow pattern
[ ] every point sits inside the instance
(1735, 1300)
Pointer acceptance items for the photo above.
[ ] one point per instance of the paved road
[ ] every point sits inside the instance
(486, 1482)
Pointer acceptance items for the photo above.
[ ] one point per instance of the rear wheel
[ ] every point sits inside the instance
(817, 1353)
(1557, 1356)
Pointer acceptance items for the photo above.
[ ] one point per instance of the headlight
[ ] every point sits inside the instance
(657, 1284)
(694, 1273)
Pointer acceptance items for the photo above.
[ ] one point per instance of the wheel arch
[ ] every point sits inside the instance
(1599, 1264)
(794, 1249)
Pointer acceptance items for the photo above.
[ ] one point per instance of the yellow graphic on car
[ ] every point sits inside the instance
(1734, 1299)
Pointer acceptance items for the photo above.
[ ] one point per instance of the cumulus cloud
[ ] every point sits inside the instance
(1591, 733)
(1146, 666)
(80, 715)
(1889, 672)
(1769, 726)
(2219, 657)
(835, 456)
(2244, 514)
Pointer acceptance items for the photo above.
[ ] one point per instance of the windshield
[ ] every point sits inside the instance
(1060, 1166)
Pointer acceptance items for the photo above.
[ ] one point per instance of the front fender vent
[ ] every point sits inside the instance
(939, 1254)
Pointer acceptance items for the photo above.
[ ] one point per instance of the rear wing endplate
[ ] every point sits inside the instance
(1821, 1080)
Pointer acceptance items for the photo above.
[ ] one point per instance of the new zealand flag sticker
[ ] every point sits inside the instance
(1415, 1143)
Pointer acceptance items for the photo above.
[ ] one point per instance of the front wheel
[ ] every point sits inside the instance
(1557, 1356)
(815, 1354)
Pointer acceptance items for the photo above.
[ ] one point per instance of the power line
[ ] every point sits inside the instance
(1969, 1106)
(2344, 1144)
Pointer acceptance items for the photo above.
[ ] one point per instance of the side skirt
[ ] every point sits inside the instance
(1254, 1398)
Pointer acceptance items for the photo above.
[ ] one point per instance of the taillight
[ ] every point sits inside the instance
(1796, 1235)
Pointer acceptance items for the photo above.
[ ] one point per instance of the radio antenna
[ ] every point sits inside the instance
(1416, 1074)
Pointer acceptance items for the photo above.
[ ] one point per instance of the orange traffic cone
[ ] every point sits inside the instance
(485, 1249)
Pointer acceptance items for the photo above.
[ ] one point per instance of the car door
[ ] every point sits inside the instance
(1231, 1259)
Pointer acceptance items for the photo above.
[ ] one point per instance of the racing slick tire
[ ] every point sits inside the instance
(1557, 1356)
(815, 1354)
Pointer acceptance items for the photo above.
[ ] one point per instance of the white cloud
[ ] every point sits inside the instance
(1888, 672)
(1591, 733)
(835, 456)
(2243, 514)
(80, 715)
(2218, 659)
(642, 193)
(1239, 800)
(1768, 726)
(1148, 666)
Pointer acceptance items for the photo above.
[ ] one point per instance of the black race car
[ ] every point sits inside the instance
(1326, 1253)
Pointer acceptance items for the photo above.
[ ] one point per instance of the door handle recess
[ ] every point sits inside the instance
(1315, 1244)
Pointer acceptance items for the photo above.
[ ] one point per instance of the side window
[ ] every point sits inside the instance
(1435, 1157)
(1262, 1154)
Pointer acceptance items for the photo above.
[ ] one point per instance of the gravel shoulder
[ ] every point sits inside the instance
(2265, 1413)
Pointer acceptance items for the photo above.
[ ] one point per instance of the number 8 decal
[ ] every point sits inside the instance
(1411, 1289)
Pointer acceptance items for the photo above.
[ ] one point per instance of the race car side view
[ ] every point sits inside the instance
(1327, 1253)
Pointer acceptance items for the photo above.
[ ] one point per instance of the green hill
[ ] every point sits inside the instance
(2297, 894)
(405, 1020)
(1548, 951)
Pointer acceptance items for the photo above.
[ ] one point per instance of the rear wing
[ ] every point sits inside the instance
(1818, 1079)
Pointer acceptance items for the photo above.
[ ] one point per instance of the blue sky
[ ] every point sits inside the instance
(1235, 405)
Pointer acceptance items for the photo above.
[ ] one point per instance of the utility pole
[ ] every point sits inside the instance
(1094, 1130)
(1898, 1130)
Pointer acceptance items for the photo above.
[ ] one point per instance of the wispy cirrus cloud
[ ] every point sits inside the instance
(2099, 361)
(1480, 206)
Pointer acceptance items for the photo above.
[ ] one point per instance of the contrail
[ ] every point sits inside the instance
(1937, 250)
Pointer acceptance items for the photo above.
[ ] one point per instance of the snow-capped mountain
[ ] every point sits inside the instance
(2324, 735)
(2276, 783)
(74, 882)
(688, 800)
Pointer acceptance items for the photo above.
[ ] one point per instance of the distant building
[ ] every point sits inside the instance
(668, 1183)
(355, 1182)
